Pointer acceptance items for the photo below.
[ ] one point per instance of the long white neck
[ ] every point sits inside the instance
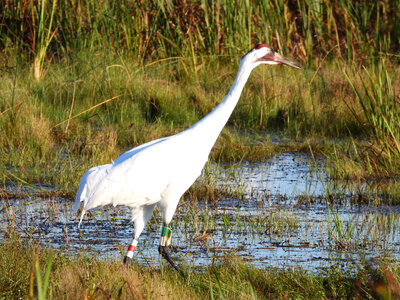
(209, 128)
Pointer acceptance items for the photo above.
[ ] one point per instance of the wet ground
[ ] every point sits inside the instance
(288, 215)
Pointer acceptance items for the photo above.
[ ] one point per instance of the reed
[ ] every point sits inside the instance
(379, 102)
(42, 34)
(197, 29)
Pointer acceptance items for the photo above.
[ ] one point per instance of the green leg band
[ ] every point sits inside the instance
(166, 231)
(166, 234)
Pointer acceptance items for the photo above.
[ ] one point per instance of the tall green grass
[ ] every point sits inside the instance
(196, 29)
(379, 101)
(42, 34)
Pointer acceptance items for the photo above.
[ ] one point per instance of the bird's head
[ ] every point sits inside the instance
(264, 54)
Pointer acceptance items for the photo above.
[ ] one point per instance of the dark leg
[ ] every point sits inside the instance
(166, 234)
(164, 252)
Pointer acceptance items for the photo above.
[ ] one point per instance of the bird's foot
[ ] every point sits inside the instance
(164, 252)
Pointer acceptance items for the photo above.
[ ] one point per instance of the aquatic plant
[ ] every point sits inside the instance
(341, 230)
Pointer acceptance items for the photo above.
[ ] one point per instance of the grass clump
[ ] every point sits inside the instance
(378, 99)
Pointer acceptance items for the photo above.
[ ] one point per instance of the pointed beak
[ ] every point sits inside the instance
(275, 57)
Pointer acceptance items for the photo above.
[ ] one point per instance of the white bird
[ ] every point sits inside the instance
(159, 172)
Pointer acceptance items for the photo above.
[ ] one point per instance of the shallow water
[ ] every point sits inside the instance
(283, 220)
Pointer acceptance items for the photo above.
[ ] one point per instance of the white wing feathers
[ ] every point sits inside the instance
(142, 176)
(130, 180)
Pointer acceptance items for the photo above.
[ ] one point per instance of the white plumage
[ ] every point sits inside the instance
(160, 171)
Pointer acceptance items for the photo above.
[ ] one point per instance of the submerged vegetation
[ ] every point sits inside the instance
(83, 81)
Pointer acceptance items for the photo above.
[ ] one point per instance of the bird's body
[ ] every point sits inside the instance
(160, 171)
(145, 176)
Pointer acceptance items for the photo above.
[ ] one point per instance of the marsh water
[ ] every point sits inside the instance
(282, 211)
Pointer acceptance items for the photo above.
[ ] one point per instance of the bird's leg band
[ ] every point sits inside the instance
(131, 249)
(166, 234)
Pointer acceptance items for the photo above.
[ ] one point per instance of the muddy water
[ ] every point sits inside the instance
(283, 219)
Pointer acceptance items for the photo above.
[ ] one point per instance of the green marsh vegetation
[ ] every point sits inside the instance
(82, 81)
